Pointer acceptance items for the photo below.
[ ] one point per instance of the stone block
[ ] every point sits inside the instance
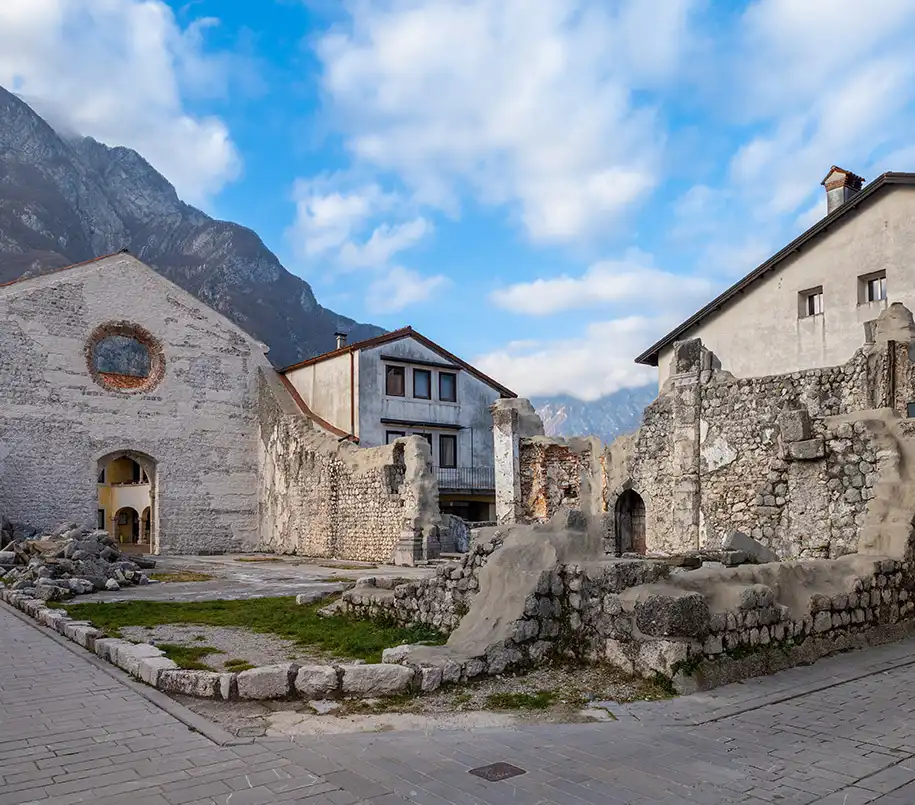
(807, 450)
(794, 425)
(377, 679)
(202, 684)
(430, 678)
(617, 654)
(316, 681)
(661, 615)
(396, 654)
(128, 658)
(660, 656)
(755, 551)
(148, 669)
(266, 682)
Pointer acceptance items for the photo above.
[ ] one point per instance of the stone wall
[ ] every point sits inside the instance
(325, 497)
(775, 457)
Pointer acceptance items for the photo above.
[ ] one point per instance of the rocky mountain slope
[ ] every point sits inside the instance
(605, 418)
(66, 200)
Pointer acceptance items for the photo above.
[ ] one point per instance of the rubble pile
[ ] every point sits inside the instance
(70, 561)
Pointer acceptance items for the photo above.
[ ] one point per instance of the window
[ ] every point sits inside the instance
(391, 435)
(876, 289)
(124, 357)
(447, 451)
(422, 384)
(872, 288)
(394, 381)
(910, 409)
(810, 303)
(447, 386)
(101, 520)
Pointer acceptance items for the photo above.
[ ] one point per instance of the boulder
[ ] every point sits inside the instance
(754, 551)
(316, 681)
(673, 614)
(377, 679)
(112, 585)
(267, 682)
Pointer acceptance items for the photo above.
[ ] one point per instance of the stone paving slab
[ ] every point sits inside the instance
(838, 733)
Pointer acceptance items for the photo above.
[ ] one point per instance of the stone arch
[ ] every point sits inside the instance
(139, 493)
(629, 522)
(127, 524)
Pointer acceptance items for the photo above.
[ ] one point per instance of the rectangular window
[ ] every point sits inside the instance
(810, 303)
(876, 289)
(394, 383)
(391, 435)
(910, 410)
(422, 384)
(101, 520)
(447, 386)
(447, 451)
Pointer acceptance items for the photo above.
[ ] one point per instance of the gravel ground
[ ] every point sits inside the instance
(580, 694)
(234, 643)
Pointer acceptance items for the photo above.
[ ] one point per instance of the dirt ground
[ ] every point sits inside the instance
(558, 694)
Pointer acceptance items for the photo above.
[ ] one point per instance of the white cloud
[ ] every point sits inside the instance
(401, 287)
(608, 282)
(386, 241)
(589, 367)
(118, 70)
(531, 110)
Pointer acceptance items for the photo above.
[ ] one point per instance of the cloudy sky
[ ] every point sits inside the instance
(544, 186)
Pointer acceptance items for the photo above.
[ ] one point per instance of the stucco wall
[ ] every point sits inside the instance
(325, 388)
(198, 423)
(470, 412)
(880, 235)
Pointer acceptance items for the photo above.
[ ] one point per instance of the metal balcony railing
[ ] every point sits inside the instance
(466, 478)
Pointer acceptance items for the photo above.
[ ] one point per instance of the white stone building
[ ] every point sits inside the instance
(813, 303)
(401, 384)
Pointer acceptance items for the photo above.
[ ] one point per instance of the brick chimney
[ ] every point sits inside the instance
(840, 186)
(341, 340)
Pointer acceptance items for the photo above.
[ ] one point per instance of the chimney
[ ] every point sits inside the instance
(841, 185)
(341, 340)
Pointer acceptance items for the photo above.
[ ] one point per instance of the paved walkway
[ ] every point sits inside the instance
(75, 730)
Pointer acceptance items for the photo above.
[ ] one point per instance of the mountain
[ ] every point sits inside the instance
(67, 199)
(605, 418)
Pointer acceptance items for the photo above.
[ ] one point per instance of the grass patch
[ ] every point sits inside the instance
(337, 580)
(540, 700)
(338, 636)
(340, 566)
(188, 657)
(184, 575)
(238, 665)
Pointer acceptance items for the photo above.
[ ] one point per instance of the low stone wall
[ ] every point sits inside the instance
(439, 601)
(148, 664)
(325, 497)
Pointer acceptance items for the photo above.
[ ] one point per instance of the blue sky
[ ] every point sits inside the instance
(544, 193)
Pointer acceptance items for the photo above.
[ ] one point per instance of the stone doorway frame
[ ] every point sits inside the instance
(150, 466)
(629, 523)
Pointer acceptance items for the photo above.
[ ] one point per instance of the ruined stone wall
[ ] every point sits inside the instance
(325, 497)
(555, 473)
(195, 420)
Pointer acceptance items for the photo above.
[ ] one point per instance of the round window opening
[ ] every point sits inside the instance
(124, 357)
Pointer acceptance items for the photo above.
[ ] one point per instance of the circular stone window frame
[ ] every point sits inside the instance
(126, 329)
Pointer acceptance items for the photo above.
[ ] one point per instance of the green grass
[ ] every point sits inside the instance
(188, 657)
(337, 580)
(540, 700)
(185, 575)
(338, 636)
(238, 665)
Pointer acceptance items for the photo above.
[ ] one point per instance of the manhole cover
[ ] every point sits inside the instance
(497, 771)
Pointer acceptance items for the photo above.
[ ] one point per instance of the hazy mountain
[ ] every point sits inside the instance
(65, 199)
(605, 418)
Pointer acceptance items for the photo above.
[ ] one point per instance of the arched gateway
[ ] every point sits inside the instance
(127, 499)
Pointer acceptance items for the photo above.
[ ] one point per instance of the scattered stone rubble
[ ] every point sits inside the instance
(70, 561)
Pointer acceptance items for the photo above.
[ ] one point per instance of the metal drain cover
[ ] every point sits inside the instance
(497, 771)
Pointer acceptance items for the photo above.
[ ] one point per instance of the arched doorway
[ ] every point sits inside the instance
(629, 522)
(127, 499)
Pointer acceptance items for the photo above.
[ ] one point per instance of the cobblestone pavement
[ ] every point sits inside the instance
(839, 733)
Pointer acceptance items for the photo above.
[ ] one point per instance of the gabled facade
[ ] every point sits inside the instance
(402, 384)
(813, 303)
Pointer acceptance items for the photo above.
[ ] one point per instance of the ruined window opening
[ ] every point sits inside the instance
(447, 450)
(395, 384)
(811, 302)
(392, 435)
(124, 357)
(422, 384)
(100, 523)
(910, 410)
(447, 386)
(872, 287)
(629, 523)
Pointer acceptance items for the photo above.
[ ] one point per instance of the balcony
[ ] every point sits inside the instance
(466, 479)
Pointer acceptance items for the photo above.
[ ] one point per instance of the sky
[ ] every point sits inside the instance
(545, 187)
